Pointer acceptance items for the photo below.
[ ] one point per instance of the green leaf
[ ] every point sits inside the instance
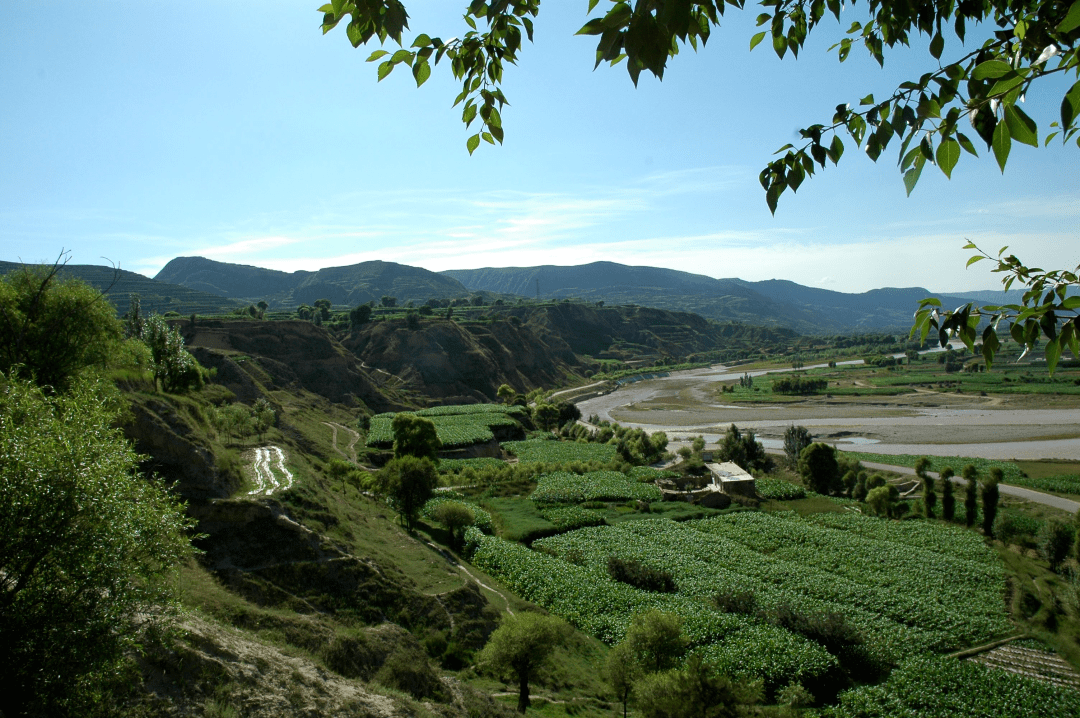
(948, 153)
(1070, 106)
(385, 69)
(1002, 144)
(990, 345)
(421, 71)
(376, 55)
(488, 138)
(1072, 302)
(421, 40)
(976, 258)
(401, 56)
(757, 39)
(966, 144)
(911, 177)
(836, 149)
(868, 100)
(1053, 353)
(937, 45)
(991, 69)
(472, 143)
(1072, 19)
(1021, 127)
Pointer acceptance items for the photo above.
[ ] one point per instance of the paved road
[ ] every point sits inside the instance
(1018, 491)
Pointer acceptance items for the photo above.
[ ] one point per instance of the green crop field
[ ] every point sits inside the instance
(558, 452)
(563, 487)
(938, 687)
(456, 426)
(1009, 470)
(909, 587)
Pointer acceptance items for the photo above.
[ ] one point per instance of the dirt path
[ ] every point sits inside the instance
(453, 562)
(350, 450)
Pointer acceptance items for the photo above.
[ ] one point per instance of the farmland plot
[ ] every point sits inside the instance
(909, 587)
(456, 426)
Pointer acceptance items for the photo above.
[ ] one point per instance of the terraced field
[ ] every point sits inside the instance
(909, 588)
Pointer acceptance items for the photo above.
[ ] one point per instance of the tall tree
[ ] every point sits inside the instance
(948, 501)
(656, 638)
(522, 644)
(88, 547)
(990, 496)
(409, 481)
(622, 672)
(922, 467)
(796, 438)
(415, 436)
(971, 494)
(818, 468)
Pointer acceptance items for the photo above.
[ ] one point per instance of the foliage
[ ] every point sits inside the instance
(639, 575)
(415, 436)
(1010, 472)
(360, 316)
(971, 494)
(989, 494)
(818, 468)
(929, 495)
(796, 438)
(52, 327)
(409, 482)
(937, 686)
(1054, 540)
(906, 587)
(799, 385)
(698, 690)
(174, 367)
(87, 546)
(455, 426)
(455, 517)
(948, 501)
(551, 451)
(1050, 297)
(744, 450)
(656, 639)
(573, 517)
(521, 645)
(622, 672)
(568, 488)
(1036, 39)
(481, 519)
(779, 489)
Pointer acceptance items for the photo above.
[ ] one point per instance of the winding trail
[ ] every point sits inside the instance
(354, 438)
(454, 562)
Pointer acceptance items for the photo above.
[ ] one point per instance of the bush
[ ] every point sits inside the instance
(639, 575)
(89, 547)
(1054, 540)
(408, 669)
(744, 602)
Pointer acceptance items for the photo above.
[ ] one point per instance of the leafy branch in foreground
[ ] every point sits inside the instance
(1034, 39)
(1047, 311)
(477, 59)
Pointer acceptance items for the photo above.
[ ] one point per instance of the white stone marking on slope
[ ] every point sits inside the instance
(280, 456)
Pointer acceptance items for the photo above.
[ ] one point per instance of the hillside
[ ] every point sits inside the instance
(343, 286)
(155, 296)
(771, 302)
(533, 346)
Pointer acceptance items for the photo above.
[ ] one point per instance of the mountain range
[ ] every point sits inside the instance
(197, 284)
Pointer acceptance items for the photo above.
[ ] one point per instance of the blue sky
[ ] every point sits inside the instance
(139, 132)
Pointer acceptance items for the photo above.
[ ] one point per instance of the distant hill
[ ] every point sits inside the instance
(155, 296)
(344, 286)
(773, 302)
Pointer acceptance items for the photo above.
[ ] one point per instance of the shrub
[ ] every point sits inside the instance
(639, 575)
